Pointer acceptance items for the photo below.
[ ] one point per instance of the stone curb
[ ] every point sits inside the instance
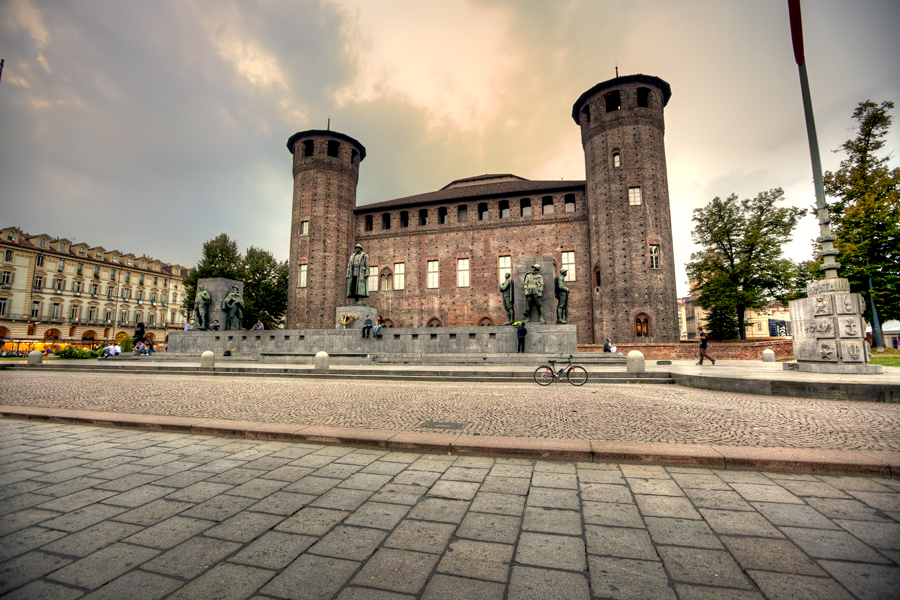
(791, 460)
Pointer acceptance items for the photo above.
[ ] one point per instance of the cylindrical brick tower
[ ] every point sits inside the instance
(326, 170)
(632, 260)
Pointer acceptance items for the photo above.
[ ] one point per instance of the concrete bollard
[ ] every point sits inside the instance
(321, 361)
(208, 360)
(768, 355)
(35, 357)
(635, 362)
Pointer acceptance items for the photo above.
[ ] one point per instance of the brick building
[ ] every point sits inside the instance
(436, 259)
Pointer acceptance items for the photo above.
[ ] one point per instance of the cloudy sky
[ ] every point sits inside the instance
(150, 127)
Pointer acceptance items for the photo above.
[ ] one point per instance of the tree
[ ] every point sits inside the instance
(741, 266)
(265, 288)
(721, 323)
(220, 259)
(866, 212)
(804, 272)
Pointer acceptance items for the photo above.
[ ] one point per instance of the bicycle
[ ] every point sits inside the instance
(545, 375)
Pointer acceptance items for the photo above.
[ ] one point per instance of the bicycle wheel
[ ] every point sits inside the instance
(577, 376)
(543, 375)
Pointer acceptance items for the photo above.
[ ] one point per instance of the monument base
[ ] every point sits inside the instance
(360, 310)
(833, 368)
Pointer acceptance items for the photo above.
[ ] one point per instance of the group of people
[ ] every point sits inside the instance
(142, 348)
(367, 327)
(111, 350)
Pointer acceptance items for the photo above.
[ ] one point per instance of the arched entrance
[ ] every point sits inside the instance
(90, 334)
(51, 334)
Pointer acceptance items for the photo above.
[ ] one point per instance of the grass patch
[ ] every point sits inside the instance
(889, 358)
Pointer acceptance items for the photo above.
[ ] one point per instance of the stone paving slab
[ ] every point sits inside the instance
(473, 527)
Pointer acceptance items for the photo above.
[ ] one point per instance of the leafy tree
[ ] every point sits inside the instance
(265, 288)
(804, 272)
(721, 323)
(741, 265)
(866, 211)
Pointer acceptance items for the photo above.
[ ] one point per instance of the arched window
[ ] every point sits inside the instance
(370, 223)
(386, 221)
(462, 213)
(613, 101)
(643, 97)
(433, 322)
(617, 159)
(51, 334)
(570, 203)
(309, 147)
(386, 281)
(486, 322)
(389, 323)
(597, 277)
(483, 211)
(423, 217)
(642, 326)
(334, 148)
(525, 207)
(547, 205)
(442, 215)
(404, 219)
(504, 209)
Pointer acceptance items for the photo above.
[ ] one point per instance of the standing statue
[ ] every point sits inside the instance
(508, 299)
(201, 309)
(534, 292)
(562, 297)
(233, 305)
(358, 275)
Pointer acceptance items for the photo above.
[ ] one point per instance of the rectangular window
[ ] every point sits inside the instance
(404, 219)
(73, 312)
(97, 272)
(568, 263)
(462, 272)
(399, 276)
(140, 295)
(35, 309)
(79, 270)
(370, 223)
(155, 279)
(442, 215)
(462, 214)
(153, 318)
(7, 278)
(9, 255)
(373, 278)
(505, 266)
(109, 315)
(432, 281)
(92, 313)
(112, 274)
(304, 227)
(95, 289)
(40, 261)
(759, 326)
(43, 243)
(547, 205)
(152, 296)
(127, 277)
(525, 207)
(654, 256)
(62, 247)
(59, 284)
(60, 266)
(54, 310)
(386, 221)
(141, 280)
(504, 209)
(483, 211)
(423, 217)
(634, 196)
(78, 285)
(302, 280)
(2, 307)
(570, 203)
(124, 318)
(126, 293)
(38, 282)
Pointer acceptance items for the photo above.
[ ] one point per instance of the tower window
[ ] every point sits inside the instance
(642, 326)
(654, 256)
(386, 221)
(442, 215)
(334, 148)
(370, 223)
(617, 160)
(309, 147)
(597, 277)
(613, 101)
(643, 97)
(423, 217)
(570, 203)
(634, 196)
(547, 205)
(504, 209)
(568, 263)
(404, 219)
(462, 214)
(301, 280)
(483, 211)
(432, 280)
(304, 227)
(525, 207)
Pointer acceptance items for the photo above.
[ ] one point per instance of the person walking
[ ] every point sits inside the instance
(521, 332)
(703, 342)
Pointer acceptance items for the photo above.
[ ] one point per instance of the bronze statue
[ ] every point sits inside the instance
(201, 308)
(534, 292)
(508, 300)
(233, 305)
(562, 297)
(358, 275)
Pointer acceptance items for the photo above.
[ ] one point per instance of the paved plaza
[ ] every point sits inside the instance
(635, 413)
(100, 512)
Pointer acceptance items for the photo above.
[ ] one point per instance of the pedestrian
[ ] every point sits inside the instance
(521, 332)
(367, 327)
(703, 341)
(378, 326)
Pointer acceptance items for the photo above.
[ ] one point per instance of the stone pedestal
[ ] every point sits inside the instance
(360, 310)
(521, 267)
(218, 288)
(829, 331)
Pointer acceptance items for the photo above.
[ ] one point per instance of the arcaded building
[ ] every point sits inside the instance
(436, 259)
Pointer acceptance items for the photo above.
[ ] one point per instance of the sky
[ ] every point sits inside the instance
(151, 127)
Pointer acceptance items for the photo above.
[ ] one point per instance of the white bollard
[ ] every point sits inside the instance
(208, 360)
(635, 362)
(321, 361)
(35, 357)
(768, 355)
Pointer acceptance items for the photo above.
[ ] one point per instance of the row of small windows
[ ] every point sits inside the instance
(612, 101)
(332, 149)
(482, 213)
(93, 313)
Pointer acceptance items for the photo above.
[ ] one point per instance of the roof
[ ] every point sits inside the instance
(481, 178)
(638, 78)
(523, 187)
(335, 134)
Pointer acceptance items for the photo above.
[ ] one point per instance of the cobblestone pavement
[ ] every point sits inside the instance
(92, 512)
(637, 413)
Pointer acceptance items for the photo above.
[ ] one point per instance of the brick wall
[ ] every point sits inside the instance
(749, 350)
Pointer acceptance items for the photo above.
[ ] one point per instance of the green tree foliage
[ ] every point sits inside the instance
(265, 280)
(741, 265)
(804, 272)
(722, 323)
(866, 211)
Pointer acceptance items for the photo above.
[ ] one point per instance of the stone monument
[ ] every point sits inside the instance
(523, 266)
(219, 288)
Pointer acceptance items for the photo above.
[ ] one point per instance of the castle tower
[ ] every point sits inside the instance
(632, 261)
(326, 170)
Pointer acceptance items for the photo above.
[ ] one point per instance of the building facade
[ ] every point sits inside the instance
(52, 289)
(436, 259)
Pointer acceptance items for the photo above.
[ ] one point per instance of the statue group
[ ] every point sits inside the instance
(232, 306)
(534, 292)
